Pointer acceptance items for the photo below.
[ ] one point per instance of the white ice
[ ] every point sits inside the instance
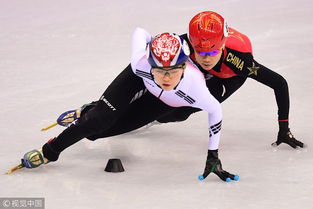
(57, 55)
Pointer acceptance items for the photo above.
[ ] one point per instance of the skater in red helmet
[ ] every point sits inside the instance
(225, 57)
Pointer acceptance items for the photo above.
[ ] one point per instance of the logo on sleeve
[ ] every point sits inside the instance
(234, 60)
(185, 97)
(214, 129)
(253, 70)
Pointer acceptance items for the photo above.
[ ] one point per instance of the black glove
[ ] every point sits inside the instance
(288, 138)
(213, 164)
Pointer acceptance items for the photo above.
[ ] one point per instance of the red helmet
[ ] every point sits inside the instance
(207, 31)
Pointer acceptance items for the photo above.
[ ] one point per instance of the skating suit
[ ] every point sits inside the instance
(191, 90)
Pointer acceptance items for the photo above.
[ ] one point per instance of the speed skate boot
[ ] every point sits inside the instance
(70, 117)
(34, 158)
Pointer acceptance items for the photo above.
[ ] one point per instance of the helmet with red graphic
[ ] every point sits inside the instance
(167, 50)
(207, 31)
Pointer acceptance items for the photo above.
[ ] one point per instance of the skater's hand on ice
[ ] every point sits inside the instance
(288, 138)
(213, 164)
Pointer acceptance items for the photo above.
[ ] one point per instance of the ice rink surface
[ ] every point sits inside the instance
(58, 55)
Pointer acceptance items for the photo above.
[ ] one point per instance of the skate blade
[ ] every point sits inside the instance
(49, 126)
(15, 168)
